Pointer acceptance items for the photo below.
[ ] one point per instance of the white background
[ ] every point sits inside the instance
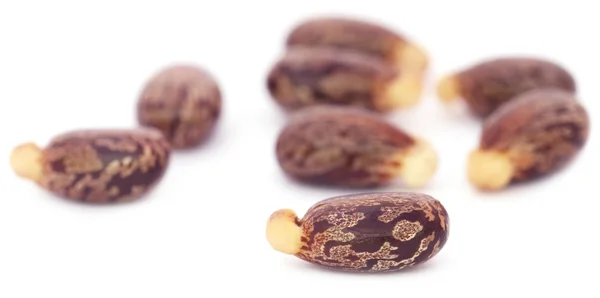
(201, 233)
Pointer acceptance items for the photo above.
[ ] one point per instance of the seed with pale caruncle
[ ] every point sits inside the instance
(307, 76)
(96, 166)
(489, 84)
(531, 136)
(362, 36)
(352, 147)
(369, 232)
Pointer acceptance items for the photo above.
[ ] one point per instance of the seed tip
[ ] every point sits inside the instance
(419, 164)
(283, 233)
(26, 161)
(448, 89)
(403, 92)
(489, 170)
(412, 57)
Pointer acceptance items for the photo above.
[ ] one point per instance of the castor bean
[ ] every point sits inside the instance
(533, 135)
(489, 84)
(360, 35)
(96, 166)
(183, 102)
(370, 232)
(347, 146)
(311, 76)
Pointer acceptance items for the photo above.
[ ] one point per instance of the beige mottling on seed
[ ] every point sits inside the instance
(120, 145)
(385, 265)
(359, 261)
(405, 230)
(391, 213)
(113, 167)
(436, 249)
(80, 159)
(135, 192)
(86, 178)
(113, 191)
(334, 233)
(127, 161)
(388, 214)
(440, 212)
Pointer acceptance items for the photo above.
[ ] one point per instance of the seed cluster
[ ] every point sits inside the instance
(337, 79)
(177, 109)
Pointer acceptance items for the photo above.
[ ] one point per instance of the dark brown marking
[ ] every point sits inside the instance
(343, 33)
(310, 76)
(182, 101)
(355, 232)
(340, 146)
(104, 166)
(488, 85)
(541, 129)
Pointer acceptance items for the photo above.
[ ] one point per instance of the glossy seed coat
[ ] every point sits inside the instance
(489, 84)
(183, 102)
(96, 166)
(533, 135)
(312, 76)
(351, 147)
(362, 36)
(370, 232)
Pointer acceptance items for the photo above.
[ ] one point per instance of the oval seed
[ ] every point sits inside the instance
(352, 147)
(371, 232)
(96, 166)
(488, 85)
(533, 135)
(311, 76)
(363, 36)
(183, 102)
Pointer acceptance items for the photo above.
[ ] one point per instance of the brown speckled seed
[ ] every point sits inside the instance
(359, 35)
(531, 136)
(488, 85)
(96, 166)
(352, 147)
(182, 101)
(370, 232)
(311, 76)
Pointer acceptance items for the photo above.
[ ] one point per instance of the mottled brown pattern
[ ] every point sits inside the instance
(541, 129)
(405, 230)
(488, 85)
(374, 232)
(182, 101)
(344, 33)
(104, 166)
(311, 76)
(340, 146)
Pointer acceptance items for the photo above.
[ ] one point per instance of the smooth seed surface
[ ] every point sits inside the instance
(351, 147)
(183, 102)
(314, 76)
(370, 232)
(488, 85)
(362, 36)
(531, 136)
(96, 166)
